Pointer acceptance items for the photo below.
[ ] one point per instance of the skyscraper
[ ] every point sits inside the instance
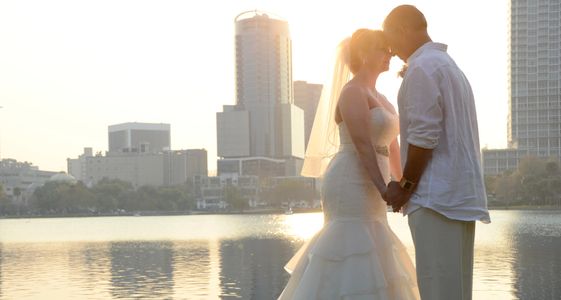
(535, 81)
(263, 77)
(306, 96)
(264, 120)
(534, 123)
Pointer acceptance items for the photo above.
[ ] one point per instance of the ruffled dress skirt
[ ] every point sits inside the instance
(355, 255)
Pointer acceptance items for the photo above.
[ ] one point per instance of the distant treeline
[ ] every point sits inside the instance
(108, 196)
(536, 182)
(115, 197)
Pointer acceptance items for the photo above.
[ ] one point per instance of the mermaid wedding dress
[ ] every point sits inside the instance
(355, 255)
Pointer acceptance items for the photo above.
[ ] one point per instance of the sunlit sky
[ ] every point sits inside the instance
(68, 69)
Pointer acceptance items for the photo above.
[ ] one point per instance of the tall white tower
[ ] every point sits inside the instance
(264, 81)
(264, 127)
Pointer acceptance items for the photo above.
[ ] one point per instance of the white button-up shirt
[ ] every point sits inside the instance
(437, 111)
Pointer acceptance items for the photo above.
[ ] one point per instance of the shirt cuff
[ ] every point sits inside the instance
(422, 142)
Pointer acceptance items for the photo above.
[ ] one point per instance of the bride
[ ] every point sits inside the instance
(354, 147)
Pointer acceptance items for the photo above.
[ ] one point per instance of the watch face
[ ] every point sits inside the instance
(406, 185)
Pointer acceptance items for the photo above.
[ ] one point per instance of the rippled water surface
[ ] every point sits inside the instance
(518, 256)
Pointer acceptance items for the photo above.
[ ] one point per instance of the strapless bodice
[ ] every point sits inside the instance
(384, 127)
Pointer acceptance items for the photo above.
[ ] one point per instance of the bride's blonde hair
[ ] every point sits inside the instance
(324, 139)
(362, 41)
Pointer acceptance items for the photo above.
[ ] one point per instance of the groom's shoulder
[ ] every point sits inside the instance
(431, 61)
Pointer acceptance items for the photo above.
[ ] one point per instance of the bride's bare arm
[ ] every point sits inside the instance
(395, 156)
(395, 161)
(354, 110)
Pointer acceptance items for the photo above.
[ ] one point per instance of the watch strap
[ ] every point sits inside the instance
(407, 184)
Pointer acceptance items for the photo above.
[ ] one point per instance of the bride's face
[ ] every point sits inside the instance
(379, 58)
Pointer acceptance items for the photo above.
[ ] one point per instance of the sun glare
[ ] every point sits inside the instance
(303, 226)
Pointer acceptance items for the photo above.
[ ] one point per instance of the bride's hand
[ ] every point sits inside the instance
(396, 196)
(383, 193)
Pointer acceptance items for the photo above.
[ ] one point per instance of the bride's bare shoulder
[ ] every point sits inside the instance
(352, 92)
(352, 85)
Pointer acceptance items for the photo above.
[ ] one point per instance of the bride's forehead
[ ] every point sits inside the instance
(380, 43)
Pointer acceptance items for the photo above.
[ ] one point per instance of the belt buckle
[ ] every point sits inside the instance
(382, 150)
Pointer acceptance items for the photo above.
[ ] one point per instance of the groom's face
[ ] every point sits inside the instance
(396, 41)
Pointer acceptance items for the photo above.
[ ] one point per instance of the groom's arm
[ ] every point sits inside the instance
(417, 161)
(424, 127)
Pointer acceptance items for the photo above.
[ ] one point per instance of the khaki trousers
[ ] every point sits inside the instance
(443, 255)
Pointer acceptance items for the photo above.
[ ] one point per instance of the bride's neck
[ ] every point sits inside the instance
(367, 79)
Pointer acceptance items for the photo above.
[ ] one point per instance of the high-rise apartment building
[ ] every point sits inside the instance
(263, 77)
(534, 121)
(264, 122)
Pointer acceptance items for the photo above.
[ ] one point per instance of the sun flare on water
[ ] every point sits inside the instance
(303, 226)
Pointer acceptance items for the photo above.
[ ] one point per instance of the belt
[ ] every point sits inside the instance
(382, 150)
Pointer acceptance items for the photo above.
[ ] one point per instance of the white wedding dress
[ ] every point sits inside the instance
(355, 255)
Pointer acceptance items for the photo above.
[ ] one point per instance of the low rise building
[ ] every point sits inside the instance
(20, 179)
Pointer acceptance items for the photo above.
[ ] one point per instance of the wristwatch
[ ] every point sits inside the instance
(407, 185)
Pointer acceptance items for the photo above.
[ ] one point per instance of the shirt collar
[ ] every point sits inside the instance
(427, 45)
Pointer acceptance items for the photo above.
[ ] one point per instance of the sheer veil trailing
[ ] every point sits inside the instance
(324, 138)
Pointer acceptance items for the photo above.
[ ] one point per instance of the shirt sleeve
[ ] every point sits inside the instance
(424, 109)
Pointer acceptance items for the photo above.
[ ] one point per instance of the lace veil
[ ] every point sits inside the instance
(324, 137)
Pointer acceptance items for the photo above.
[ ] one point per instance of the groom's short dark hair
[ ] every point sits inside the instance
(406, 16)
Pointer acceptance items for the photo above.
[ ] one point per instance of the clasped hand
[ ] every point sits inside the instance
(396, 196)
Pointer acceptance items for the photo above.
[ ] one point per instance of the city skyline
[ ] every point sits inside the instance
(69, 70)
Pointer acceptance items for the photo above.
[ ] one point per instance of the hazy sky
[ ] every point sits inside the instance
(68, 69)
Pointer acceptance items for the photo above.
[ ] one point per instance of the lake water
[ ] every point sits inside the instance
(518, 256)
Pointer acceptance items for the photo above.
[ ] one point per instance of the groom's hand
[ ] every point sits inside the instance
(396, 196)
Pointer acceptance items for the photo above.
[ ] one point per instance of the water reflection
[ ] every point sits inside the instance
(90, 267)
(537, 260)
(195, 274)
(494, 254)
(141, 268)
(1, 264)
(54, 271)
(252, 268)
(242, 257)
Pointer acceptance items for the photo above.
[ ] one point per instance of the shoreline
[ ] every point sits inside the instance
(267, 211)
(264, 211)
(530, 208)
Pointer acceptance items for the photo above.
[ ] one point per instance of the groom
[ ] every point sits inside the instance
(442, 190)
